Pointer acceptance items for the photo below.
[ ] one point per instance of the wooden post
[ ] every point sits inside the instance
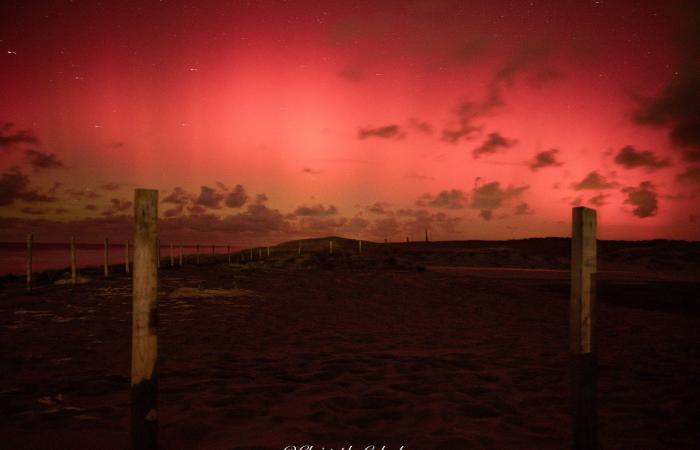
(106, 257)
(228, 254)
(30, 241)
(144, 343)
(126, 256)
(330, 246)
(582, 327)
(197, 260)
(172, 256)
(180, 255)
(73, 265)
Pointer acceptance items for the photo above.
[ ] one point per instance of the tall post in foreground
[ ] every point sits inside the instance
(582, 323)
(172, 256)
(30, 241)
(73, 265)
(106, 257)
(144, 338)
(126, 256)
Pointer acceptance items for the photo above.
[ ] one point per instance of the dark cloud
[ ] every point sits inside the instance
(690, 175)
(599, 200)
(451, 199)
(43, 161)
(467, 112)
(209, 198)
(643, 198)
(310, 171)
(421, 126)
(236, 198)
(386, 132)
(117, 206)
(316, 210)
(179, 198)
(545, 158)
(486, 214)
(522, 209)
(531, 54)
(9, 136)
(677, 107)
(110, 187)
(630, 158)
(490, 196)
(493, 143)
(418, 176)
(14, 186)
(378, 208)
(594, 181)
(83, 194)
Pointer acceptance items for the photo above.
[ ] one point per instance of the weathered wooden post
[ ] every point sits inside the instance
(330, 246)
(30, 241)
(172, 256)
(73, 265)
(144, 338)
(197, 260)
(126, 256)
(582, 327)
(228, 254)
(106, 257)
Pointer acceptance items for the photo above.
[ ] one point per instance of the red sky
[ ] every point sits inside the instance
(266, 121)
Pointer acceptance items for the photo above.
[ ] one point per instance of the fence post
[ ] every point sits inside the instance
(144, 344)
(582, 327)
(106, 258)
(330, 246)
(359, 245)
(73, 266)
(30, 241)
(126, 256)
